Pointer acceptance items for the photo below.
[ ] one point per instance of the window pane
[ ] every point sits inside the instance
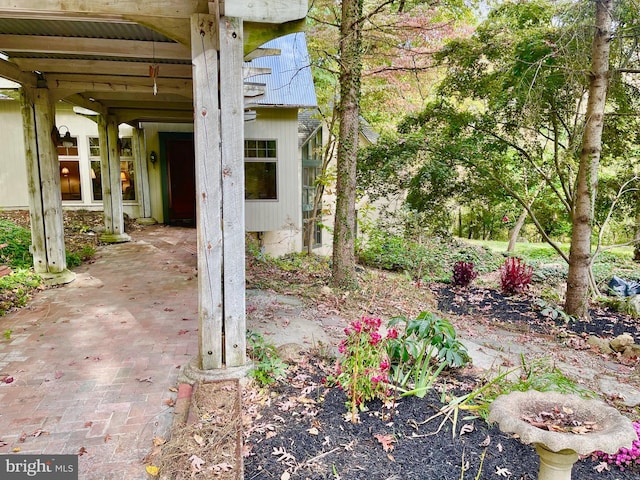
(126, 149)
(127, 177)
(260, 181)
(70, 180)
(94, 146)
(96, 180)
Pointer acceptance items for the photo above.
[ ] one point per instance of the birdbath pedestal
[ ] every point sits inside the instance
(561, 427)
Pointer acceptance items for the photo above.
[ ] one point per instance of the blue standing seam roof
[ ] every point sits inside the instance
(290, 83)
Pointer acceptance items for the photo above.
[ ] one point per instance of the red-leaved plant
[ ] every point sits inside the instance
(463, 273)
(515, 276)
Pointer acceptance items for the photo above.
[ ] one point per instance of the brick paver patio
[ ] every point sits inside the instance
(93, 362)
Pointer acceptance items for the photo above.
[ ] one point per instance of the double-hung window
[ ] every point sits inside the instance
(260, 170)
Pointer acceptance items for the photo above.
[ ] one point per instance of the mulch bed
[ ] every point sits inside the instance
(299, 430)
(519, 312)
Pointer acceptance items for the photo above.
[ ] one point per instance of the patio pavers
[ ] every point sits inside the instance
(93, 361)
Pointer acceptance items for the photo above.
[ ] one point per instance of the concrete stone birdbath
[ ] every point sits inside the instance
(561, 427)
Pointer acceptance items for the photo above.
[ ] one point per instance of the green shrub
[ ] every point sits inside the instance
(18, 242)
(268, 367)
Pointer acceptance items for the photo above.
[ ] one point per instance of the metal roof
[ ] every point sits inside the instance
(290, 83)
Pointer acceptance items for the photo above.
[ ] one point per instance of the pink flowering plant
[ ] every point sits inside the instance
(363, 370)
(625, 458)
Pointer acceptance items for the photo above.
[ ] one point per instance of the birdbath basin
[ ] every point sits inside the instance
(561, 427)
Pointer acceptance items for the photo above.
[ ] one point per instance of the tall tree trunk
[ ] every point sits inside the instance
(515, 231)
(577, 300)
(636, 237)
(344, 274)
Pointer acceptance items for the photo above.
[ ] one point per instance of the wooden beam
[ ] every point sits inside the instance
(126, 115)
(100, 67)
(110, 83)
(233, 221)
(93, 46)
(204, 45)
(256, 34)
(261, 52)
(267, 11)
(11, 71)
(149, 8)
(83, 102)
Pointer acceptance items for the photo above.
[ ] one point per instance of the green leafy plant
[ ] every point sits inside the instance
(363, 370)
(16, 242)
(16, 289)
(7, 334)
(463, 273)
(552, 311)
(515, 276)
(427, 346)
(268, 366)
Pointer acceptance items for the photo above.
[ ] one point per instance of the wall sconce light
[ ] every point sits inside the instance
(123, 176)
(65, 140)
(153, 157)
(64, 172)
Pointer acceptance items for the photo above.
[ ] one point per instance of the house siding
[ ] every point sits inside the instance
(285, 213)
(13, 170)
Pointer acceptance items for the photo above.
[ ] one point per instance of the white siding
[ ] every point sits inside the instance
(13, 170)
(286, 212)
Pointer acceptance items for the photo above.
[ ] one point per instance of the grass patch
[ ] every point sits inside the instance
(16, 289)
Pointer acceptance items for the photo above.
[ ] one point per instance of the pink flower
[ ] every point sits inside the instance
(392, 333)
(357, 326)
(384, 364)
(342, 348)
(375, 380)
(372, 323)
(375, 338)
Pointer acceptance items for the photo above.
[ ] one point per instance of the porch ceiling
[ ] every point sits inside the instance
(100, 54)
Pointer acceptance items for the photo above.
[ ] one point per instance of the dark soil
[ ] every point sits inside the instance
(520, 312)
(300, 430)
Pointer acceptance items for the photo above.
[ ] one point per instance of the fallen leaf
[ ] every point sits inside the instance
(270, 435)
(182, 332)
(58, 375)
(285, 476)
(3, 443)
(39, 432)
(502, 472)
(485, 442)
(8, 380)
(386, 441)
(173, 389)
(82, 451)
(107, 437)
(16, 449)
(601, 467)
(157, 441)
(145, 379)
(152, 470)
(222, 467)
(170, 402)
(168, 309)
(313, 431)
(466, 428)
(199, 439)
(23, 437)
(499, 447)
(196, 463)
(87, 424)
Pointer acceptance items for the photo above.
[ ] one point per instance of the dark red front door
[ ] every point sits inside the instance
(181, 181)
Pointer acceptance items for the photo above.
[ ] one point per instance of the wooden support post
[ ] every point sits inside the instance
(233, 221)
(204, 53)
(142, 183)
(45, 200)
(111, 184)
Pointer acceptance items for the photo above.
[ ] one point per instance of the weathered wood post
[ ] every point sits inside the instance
(217, 51)
(111, 184)
(45, 199)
